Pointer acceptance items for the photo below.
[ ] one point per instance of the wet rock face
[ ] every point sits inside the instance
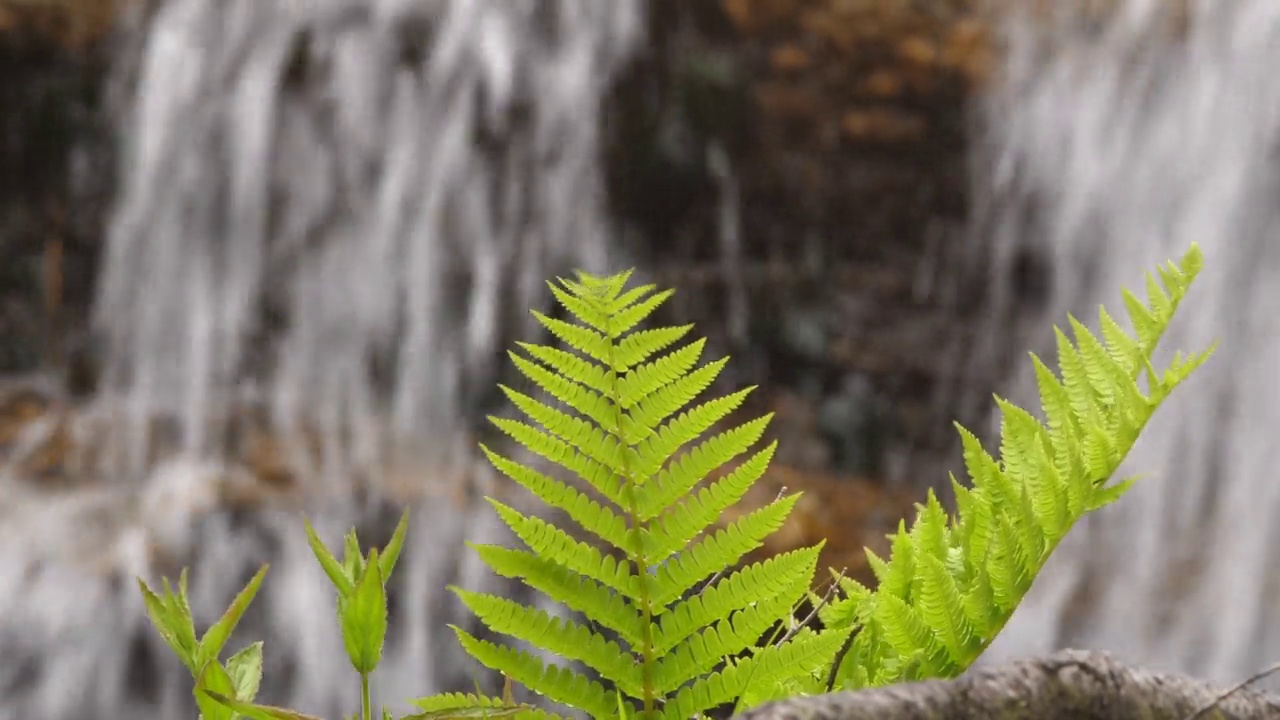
(837, 114)
(795, 167)
(798, 169)
(861, 108)
(55, 174)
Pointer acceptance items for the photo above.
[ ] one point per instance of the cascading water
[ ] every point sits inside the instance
(1111, 146)
(345, 200)
(332, 212)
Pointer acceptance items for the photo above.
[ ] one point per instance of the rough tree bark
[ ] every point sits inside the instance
(1069, 685)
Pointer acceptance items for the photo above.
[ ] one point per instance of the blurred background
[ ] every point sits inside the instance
(263, 257)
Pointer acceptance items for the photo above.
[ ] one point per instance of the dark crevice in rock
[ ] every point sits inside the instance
(142, 668)
(847, 138)
(55, 181)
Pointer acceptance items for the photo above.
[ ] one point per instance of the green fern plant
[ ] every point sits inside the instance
(671, 633)
(952, 582)
(675, 646)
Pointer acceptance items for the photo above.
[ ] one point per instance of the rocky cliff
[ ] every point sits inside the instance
(796, 167)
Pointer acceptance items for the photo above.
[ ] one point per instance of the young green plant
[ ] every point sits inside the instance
(240, 677)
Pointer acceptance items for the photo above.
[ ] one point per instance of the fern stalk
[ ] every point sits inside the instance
(641, 563)
(951, 583)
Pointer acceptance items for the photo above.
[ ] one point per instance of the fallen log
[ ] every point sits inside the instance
(1069, 685)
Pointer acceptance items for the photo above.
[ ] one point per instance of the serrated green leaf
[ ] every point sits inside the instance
(337, 575)
(174, 625)
(245, 670)
(391, 553)
(363, 618)
(213, 640)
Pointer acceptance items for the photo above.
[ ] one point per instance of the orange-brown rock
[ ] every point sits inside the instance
(72, 24)
(849, 514)
(884, 84)
(786, 102)
(790, 58)
(756, 15)
(883, 125)
(968, 50)
(918, 50)
(863, 50)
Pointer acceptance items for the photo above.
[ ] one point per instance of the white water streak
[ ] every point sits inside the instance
(384, 177)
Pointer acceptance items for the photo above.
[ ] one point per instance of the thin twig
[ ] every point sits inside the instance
(814, 613)
(1236, 688)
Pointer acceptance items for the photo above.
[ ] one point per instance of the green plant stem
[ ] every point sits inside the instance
(641, 564)
(366, 707)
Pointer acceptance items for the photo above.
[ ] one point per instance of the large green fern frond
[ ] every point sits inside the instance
(951, 583)
(620, 416)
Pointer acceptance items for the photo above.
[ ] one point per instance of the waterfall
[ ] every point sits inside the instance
(1110, 144)
(331, 214)
(333, 208)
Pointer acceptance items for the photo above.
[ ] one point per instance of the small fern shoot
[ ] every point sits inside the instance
(951, 583)
(615, 419)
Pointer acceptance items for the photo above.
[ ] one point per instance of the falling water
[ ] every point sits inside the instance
(1111, 147)
(329, 211)
(334, 207)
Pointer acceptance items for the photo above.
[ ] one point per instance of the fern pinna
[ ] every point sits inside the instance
(950, 584)
(617, 424)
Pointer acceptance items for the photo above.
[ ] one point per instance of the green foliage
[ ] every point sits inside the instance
(952, 582)
(240, 677)
(668, 627)
(623, 426)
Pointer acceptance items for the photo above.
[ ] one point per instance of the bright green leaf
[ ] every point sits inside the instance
(363, 616)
